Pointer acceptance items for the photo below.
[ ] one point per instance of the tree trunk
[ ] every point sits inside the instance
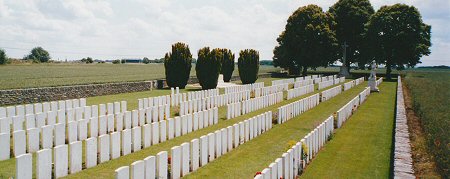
(304, 70)
(388, 70)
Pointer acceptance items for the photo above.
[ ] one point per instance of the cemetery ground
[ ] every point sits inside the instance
(360, 149)
(106, 170)
(47, 75)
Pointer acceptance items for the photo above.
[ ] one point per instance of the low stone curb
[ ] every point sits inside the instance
(403, 166)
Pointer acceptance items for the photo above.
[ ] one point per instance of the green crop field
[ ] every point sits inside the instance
(430, 94)
(45, 75)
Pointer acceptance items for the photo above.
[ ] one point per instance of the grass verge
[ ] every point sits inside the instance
(362, 147)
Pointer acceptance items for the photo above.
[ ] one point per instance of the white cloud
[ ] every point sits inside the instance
(115, 29)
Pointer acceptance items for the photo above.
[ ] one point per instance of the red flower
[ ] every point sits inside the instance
(168, 160)
(257, 173)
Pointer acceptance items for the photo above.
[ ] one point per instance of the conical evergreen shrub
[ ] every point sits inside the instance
(248, 65)
(208, 67)
(227, 64)
(178, 65)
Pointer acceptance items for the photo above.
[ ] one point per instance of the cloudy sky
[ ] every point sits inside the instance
(73, 29)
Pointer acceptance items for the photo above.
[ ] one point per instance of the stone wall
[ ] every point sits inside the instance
(36, 95)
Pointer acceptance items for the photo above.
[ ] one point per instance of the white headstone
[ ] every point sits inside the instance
(126, 141)
(24, 166)
(110, 123)
(82, 129)
(155, 133)
(150, 167)
(103, 148)
(75, 157)
(61, 160)
(122, 173)
(32, 140)
(161, 165)
(195, 154)
(175, 162)
(163, 131)
(72, 130)
(19, 141)
(102, 125)
(44, 164)
(91, 152)
(4, 151)
(115, 145)
(147, 135)
(203, 150)
(136, 138)
(185, 158)
(137, 170)
(211, 146)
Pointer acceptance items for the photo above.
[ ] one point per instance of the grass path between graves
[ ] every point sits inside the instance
(106, 170)
(257, 154)
(362, 147)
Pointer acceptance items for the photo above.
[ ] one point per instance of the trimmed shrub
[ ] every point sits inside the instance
(227, 64)
(178, 65)
(248, 65)
(208, 67)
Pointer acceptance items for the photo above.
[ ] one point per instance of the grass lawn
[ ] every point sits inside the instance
(257, 154)
(362, 147)
(45, 75)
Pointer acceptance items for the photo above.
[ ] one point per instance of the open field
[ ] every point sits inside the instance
(430, 94)
(45, 75)
(362, 147)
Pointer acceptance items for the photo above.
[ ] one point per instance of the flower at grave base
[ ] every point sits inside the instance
(168, 160)
(257, 173)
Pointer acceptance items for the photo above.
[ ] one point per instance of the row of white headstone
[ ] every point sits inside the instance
(291, 164)
(247, 87)
(330, 93)
(190, 156)
(359, 80)
(44, 130)
(188, 107)
(325, 84)
(63, 116)
(296, 108)
(253, 104)
(349, 85)
(347, 110)
(283, 81)
(301, 83)
(293, 160)
(379, 81)
(270, 90)
(116, 144)
(310, 77)
(22, 110)
(296, 92)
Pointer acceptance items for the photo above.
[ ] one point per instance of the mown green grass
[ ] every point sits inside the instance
(257, 154)
(46, 75)
(362, 147)
(430, 94)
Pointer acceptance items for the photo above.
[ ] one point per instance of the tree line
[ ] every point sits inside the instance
(394, 36)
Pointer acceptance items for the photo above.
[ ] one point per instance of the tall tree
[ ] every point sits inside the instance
(3, 57)
(398, 37)
(38, 54)
(351, 17)
(178, 65)
(308, 40)
(227, 64)
(208, 67)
